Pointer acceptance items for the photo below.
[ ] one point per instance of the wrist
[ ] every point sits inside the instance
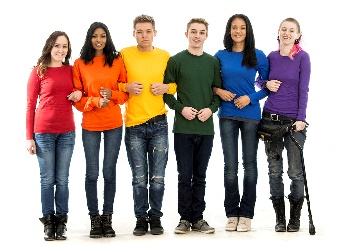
(265, 85)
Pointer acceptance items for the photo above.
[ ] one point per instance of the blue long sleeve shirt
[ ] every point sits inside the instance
(240, 80)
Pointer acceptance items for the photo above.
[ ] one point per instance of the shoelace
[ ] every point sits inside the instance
(184, 223)
(231, 221)
(243, 221)
(200, 223)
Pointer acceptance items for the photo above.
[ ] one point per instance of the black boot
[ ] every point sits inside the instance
(108, 232)
(155, 225)
(295, 215)
(61, 227)
(279, 208)
(96, 226)
(142, 226)
(49, 227)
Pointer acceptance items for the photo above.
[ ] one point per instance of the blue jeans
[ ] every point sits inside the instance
(91, 144)
(192, 154)
(54, 152)
(147, 151)
(295, 172)
(229, 133)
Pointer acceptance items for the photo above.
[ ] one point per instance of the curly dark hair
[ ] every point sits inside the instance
(249, 56)
(45, 58)
(87, 53)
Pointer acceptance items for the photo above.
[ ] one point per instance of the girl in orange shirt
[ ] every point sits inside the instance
(97, 73)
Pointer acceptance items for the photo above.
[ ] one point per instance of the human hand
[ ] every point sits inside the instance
(273, 85)
(189, 112)
(31, 147)
(299, 125)
(159, 88)
(105, 92)
(75, 96)
(103, 102)
(204, 114)
(242, 101)
(225, 94)
(135, 88)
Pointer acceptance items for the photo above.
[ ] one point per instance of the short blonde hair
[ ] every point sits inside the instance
(144, 19)
(197, 20)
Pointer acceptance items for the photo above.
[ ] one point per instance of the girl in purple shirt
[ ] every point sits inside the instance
(288, 84)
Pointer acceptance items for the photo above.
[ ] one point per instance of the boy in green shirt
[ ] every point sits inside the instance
(195, 73)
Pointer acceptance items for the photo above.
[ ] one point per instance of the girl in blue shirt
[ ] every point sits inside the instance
(240, 111)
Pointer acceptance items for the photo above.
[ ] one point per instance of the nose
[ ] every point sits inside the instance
(61, 49)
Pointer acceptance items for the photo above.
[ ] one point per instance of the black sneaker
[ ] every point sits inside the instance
(141, 227)
(107, 230)
(155, 225)
(96, 226)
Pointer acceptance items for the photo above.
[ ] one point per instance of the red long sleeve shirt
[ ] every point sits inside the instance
(53, 113)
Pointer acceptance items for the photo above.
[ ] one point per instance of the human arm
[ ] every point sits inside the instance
(303, 87)
(86, 103)
(115, 94)
(75, 96)
(224, 94)
(170, 77)
(33, 88)
(160, 88)
(32, 95)
(262, 70)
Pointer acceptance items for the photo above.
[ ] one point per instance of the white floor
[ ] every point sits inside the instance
(22, 208)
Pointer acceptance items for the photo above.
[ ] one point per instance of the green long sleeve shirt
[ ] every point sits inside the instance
(195, 77)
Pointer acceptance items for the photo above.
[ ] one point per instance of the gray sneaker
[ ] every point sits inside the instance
(183, 227)
(202, 226)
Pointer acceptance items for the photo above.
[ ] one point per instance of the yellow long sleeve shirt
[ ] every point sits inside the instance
(146, 68)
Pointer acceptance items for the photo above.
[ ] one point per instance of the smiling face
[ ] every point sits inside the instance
(288, 32)
(238, 30)
(196, 34)
(98, 41)
(59, 50)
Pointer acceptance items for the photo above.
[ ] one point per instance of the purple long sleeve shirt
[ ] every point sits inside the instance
(292, 96)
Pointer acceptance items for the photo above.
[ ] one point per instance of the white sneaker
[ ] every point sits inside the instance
(232, 223)
(244, 224)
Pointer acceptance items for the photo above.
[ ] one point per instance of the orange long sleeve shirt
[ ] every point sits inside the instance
(89, 78)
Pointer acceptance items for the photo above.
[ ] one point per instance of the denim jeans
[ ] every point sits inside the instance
(295, 172)
(54, 152)
(192, 154)
(229, 133)
(91, 144)
(147, 151)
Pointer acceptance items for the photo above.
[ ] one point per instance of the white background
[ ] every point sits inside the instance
(25, 26)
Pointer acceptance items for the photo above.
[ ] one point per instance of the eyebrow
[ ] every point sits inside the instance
(149, 29)
(193, 29)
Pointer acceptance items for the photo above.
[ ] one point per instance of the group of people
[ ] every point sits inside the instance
(195, 85)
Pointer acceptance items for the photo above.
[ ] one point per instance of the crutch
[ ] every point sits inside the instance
(311, 224)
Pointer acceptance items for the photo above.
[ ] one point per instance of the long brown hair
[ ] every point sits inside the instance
(45, 58)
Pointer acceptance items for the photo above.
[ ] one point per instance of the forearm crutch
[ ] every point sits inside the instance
(311, 224)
